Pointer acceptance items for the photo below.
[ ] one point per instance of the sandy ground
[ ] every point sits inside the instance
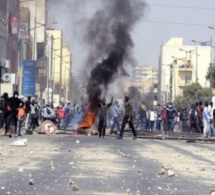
(65, 164)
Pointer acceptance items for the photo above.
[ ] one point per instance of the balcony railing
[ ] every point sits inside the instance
(187, 68)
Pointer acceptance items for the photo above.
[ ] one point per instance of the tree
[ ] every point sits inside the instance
(179, 102)
(211, 75)
(192, 94)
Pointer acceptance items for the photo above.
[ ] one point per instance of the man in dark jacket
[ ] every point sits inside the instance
(183, 118)
(170, 115)
(15, 104)
(103, 116)
(7, 112)
(27, 111)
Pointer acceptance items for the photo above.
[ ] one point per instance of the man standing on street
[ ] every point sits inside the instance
(115, 117)
(142, 116)
(127, 119)
(27, 112)
(103, 116)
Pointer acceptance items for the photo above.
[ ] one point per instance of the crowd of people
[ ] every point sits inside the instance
(17, 113)
(199, 118)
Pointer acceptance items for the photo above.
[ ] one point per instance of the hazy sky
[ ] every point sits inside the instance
(163, 19)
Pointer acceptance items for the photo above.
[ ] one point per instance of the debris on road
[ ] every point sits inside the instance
(20, 142)
(31, 182)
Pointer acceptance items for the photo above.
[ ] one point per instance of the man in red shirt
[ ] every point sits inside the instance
(60, 115)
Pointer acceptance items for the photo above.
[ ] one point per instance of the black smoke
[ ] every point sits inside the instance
(108, 34)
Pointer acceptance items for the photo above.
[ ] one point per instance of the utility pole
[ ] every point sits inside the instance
(61, 64)
(51, 66)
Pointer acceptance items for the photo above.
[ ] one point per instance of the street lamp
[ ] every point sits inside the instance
(211, 27)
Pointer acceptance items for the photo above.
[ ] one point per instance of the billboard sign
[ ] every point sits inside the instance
(14, 25)
(29, 78)
(24, 30)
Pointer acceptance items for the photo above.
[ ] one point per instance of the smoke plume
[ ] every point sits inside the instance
(109, 38)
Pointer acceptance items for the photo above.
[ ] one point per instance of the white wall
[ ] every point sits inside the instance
(172, 48)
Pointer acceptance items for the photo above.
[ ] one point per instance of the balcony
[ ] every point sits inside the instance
(185, 68)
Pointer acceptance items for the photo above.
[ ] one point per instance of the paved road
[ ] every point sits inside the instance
(105, 166)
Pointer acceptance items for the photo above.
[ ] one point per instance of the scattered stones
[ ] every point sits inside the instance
(202, 169)
(77, 142)
(75, 187)
(127, 192)
(140, 171)
(170, 173)
(21, 170)
(71, 182)
(212, 192)
(2, 188)
(8, 193)
(31, 182)
(165, 168)
(161, 172)
(160, 188)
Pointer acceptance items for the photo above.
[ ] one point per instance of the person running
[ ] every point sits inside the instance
(102, 124)
(127, 119)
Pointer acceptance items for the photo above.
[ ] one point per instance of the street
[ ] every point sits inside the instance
(66, 164)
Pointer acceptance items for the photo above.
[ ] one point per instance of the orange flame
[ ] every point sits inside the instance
(89, 120)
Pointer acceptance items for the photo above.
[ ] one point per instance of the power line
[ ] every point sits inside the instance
(175, 23)
(142, 20)
(182, 7)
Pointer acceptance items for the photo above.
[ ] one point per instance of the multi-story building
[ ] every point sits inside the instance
(145, 79)
(3, 31)
(9, 17)
(147, 76)
(60, 63)
(180, 65)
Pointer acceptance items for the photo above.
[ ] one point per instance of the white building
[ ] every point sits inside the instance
(181, 65)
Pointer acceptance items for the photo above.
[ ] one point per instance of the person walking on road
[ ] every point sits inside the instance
(127, 119)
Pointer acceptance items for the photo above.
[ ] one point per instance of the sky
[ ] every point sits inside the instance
(162, 20)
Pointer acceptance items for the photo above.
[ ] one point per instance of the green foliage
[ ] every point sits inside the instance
(179, 102)
(193, 93)
(211, 75)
